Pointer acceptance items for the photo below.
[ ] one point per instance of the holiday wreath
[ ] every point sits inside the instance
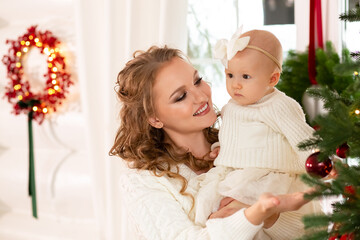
(18, 91)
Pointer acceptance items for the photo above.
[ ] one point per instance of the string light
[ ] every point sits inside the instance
(54, 69)
(315, 150)
(357, 111)
(35, 108)
(22, 42)
(56, 87)
(18, 64)
(36, 40)
(51, 91)
(53, 75)
(46, 51)
(356, 73)
(31, 37)
(25, 49)
(27, 43)
(18, 54)
(54, 81)
(45, 110)
(20, 97)
(50, 65)
(17, 87)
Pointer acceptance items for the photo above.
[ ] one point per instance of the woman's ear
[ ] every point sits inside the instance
(274, 79)
(155, 122)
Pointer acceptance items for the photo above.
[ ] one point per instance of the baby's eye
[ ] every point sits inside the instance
(246, 76)
(230, 75)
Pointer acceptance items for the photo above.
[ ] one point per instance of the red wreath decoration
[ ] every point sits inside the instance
(18, 92)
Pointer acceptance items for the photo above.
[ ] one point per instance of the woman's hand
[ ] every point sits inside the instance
(228, 206)
(267, 209)
(268, 205)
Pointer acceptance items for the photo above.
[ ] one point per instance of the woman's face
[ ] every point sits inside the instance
(182, 100)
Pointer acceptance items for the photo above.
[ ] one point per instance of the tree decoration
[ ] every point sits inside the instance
(346, 236)
(342, 150)
(18, 91)
(316, 168)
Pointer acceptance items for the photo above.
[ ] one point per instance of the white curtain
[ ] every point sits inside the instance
(109, 31)
(330, 11)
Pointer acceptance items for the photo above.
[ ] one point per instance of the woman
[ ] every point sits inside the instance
(165, 135)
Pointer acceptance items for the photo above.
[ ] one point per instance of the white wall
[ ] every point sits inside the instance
(63, 177)
(76, 180)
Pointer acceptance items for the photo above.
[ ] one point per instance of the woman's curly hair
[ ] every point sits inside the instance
(137, 142)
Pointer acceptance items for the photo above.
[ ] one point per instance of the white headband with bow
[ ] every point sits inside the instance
(225, 50)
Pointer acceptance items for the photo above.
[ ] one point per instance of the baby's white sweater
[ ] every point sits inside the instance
(264, 135)
(161, 212)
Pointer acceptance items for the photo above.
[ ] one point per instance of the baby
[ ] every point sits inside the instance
(260, 130)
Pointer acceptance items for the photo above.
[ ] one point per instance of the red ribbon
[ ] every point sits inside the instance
(315, 11)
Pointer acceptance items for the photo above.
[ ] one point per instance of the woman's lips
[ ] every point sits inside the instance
(204, 109)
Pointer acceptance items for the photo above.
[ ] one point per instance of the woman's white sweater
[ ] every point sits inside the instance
(264, 134)
(159, 211)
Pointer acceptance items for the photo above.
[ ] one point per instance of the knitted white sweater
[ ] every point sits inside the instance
(264, 135)
(159, 211)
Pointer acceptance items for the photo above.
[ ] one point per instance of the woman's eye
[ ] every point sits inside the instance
(229, 75)
(182, 97)
(198, 81)
(245, 76)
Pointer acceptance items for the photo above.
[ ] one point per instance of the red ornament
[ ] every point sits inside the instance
(347, 236)
(350, 193)
(333, 238)
(316, 127)
(342, 150)
(316, 168)
(350, 190)
(57, 79)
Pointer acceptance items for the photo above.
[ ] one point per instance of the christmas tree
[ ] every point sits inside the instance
(295, 78)
(338, 139)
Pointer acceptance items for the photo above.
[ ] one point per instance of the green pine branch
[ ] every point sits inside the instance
(353, 15)
(346, 212)
(340, 124)
(295, 77)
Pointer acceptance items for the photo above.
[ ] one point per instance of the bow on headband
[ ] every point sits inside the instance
(226, 50)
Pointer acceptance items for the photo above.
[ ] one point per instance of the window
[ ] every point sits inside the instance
(211, 20)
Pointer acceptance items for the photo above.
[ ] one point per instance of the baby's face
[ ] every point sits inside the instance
(248, 76)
